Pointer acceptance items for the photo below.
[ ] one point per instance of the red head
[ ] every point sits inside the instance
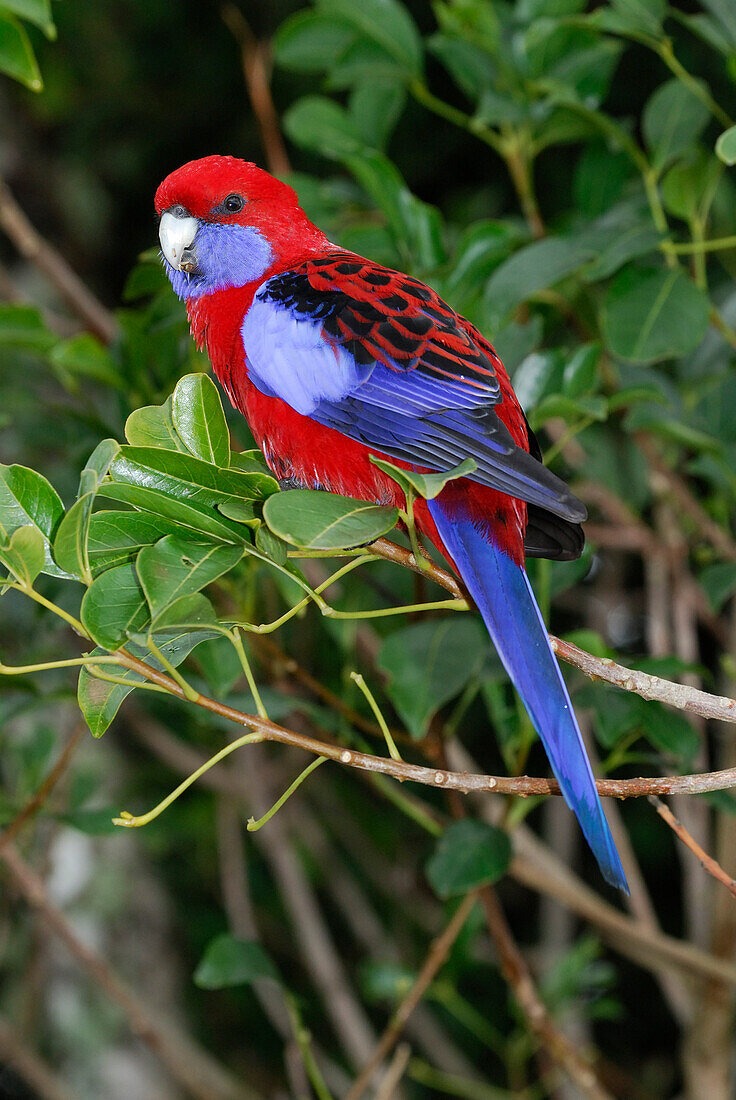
(225, 223)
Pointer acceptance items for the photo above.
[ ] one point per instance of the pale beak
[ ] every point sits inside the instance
(177, 239)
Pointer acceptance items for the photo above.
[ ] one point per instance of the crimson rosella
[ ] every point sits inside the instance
(333, 358)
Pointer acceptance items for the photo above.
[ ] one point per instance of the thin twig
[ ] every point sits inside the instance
(29, 1066)
(38, 251)
(36, 801)
(517, 975)
(434, 777)
(256, 62)
(707, 862)
(192, 1067)
(437, 955)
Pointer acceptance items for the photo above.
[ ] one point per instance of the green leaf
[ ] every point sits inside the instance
(37, 12)
(538, 374)
(533, 268)
(480, 249)
(726, 17)
(640, 16)
(70, 544)
(468, 854)
(652, 313)
(200, 519)
(375, 107)
(568, 408)
(690, 184)
(100, 700)
(719, 582)
(229, 961)
(424, 485)
(24, 327)
(97, 466)
(114, 607)
(726, 146)
(23, 553)
(325, 521)
(271, 545)
(580, 375)
(16, 55)
(385, 22)
(673, 120)
(428, 663)
(308, 42)
(185, 613)
(174, 567)
(318, 123)
(83, 355)
(471, 67)
(187, 478)
(153, 426)
(116, 537)
(628, 243)
(249, 462)
(199, 419)
(27, 497)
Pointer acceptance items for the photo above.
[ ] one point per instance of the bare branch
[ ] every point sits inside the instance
(28, 1065)
(35, 803)
(437, 955)
(195, 1070)
(516, 973)
(256, 62)
(32, 246)
(707, 862)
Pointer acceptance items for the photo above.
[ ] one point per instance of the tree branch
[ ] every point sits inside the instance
(29, 1066)
(437, 955)
(32, 246)
(195, 1070)
(707, 862)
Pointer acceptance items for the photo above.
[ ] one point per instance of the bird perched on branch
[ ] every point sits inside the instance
(333, 358)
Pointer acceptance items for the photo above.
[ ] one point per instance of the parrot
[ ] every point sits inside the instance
(334, 359)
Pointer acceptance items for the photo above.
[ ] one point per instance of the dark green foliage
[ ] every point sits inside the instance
(561, 172)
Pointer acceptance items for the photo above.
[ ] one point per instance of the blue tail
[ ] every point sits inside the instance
(505, 599)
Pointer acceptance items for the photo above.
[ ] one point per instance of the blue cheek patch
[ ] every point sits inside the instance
(227, 255)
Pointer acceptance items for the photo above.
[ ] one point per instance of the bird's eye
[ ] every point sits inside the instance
(178, 211)
(234, 204)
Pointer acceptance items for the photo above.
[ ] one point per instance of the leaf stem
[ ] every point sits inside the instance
(190, 693)
(130, 822)
(254, 825)
(392, 749)
(239, 648)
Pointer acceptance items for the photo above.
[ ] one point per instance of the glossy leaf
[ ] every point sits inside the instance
(27, 497)
(116, 537)
(229, 961)
(533, 268)
(187, 478)
(23, 553)
(428, 663)
(70, 544)
(425, 485)
(195, 517)
(114, 606)
(153, 426)
(673, 120)
(318, 123)
(653, 313)
(185, 613)
(468, 854)
(726, 146)
(16, 53)
(386, 22)
(97, 466)
(174, 567)
(324, 521)
(37, 12)
(199, 419)
(310, 43)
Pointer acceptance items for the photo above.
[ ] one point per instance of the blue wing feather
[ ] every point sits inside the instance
(435, 406)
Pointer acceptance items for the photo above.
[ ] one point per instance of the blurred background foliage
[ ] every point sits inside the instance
(550, 167)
